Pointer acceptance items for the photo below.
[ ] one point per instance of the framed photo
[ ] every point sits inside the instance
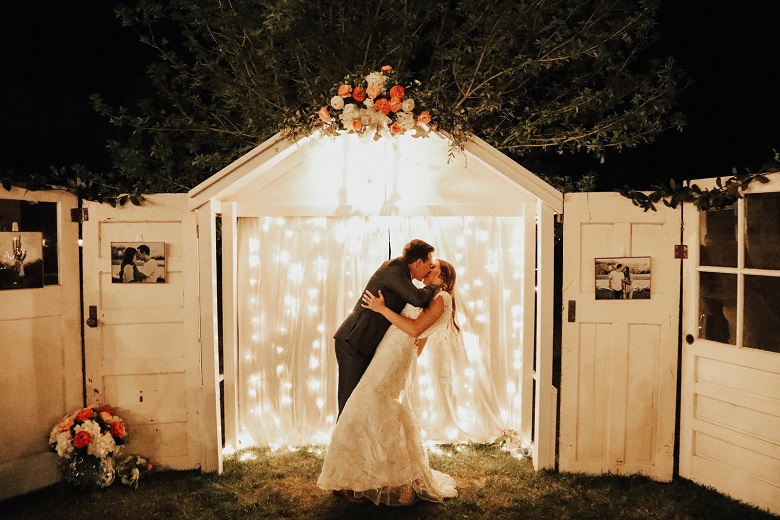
(623, 278)
(21, 259)
(136, 262)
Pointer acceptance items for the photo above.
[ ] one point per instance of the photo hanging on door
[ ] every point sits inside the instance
(623, 278)
(138, 262)
(21, 259)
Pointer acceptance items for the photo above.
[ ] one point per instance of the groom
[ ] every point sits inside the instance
(360, 334)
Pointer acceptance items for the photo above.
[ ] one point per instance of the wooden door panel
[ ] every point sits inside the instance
(618, 376)
(144, 355)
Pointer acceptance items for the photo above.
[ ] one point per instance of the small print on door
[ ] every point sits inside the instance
(133, 262)
(623, 278)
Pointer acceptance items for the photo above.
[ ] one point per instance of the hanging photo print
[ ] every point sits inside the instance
(623, 278)
(136, 262)
(21, 259)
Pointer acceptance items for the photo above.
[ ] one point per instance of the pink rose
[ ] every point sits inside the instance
(397, 92)
(65, 424)
(387, 69)
(359, 94)
(424, 118)
(395, 105)
(345, 90)
(324, 115)
(373, 92)
(395, 129)
(356, 124)
(107, 417)
(82, 438)
(84, 414)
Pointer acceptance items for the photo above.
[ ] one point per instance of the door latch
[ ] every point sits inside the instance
(92, 319)
(572, 311)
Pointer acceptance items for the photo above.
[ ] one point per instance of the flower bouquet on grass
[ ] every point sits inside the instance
(369, 106)
(90, 442)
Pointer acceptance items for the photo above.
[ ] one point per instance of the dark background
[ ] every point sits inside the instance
(54, 58)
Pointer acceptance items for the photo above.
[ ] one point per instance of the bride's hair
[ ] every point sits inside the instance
(448, 276)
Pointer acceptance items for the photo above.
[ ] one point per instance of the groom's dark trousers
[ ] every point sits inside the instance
(360, 334)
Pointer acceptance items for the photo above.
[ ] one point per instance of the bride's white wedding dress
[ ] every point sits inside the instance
(376, 449)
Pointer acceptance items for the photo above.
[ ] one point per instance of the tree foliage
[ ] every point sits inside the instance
(528, 77)
(723, 195)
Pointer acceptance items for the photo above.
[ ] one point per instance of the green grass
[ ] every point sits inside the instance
(282, 484)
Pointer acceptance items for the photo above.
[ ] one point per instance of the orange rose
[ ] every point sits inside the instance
(324, 115)
(382, 105)
(395, 105)
(356, 124)
(107, 417)
(359, 94)
(65, 424)
(424, 117)
(117, 429)
(387, 69)
(373, 92)
(397, 92)
(345, 90)
(395, 129)
(84, 414)
(82, 438)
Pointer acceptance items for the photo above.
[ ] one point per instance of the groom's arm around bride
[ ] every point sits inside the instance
(357, 338)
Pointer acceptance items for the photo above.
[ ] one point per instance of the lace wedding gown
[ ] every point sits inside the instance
(376, 449)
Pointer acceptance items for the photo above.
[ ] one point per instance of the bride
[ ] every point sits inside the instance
(376, 450)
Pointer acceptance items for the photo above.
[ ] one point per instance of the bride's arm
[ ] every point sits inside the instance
(413, 327)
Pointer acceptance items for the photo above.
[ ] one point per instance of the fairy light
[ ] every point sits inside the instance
(293, 314)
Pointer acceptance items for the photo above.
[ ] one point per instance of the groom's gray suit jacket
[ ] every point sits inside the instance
(363, 329)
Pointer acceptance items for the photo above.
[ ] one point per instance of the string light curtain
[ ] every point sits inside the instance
(299, 277)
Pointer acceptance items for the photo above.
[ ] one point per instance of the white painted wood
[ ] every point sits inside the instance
(619, 358)
(545, 405)
(209, 405)
(528, 381)
(730, 395)
(144, 356)
(230, 322)
(40, 348)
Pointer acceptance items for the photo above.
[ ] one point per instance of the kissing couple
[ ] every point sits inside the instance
(376, 451)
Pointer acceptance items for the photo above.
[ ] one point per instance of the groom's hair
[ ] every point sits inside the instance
(416, 250)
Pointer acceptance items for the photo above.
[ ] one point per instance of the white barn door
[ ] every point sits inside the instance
(143, 348)
(730, 401)
(619, 357)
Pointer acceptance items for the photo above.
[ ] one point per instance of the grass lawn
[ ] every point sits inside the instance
(282, 484)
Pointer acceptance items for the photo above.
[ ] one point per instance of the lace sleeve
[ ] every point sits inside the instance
(446, 315)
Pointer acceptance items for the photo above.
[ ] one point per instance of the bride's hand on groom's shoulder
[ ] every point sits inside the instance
(375, 303)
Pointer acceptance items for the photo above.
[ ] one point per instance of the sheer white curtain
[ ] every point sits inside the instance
(299, 277)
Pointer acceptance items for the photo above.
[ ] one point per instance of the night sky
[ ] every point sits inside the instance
(54, 58)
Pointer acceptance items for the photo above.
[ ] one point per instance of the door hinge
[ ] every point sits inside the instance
(79, 215)
(681, 251)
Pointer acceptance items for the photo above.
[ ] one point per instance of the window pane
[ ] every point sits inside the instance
(762, 238)
(718, 307)
(762, 313)
(719, 238)
(35, 216)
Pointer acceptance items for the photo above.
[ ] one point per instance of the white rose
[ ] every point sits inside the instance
(337, 102)
(407, 105)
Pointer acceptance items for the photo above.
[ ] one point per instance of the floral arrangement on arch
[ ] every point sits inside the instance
(369, 107)
(90, 442)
